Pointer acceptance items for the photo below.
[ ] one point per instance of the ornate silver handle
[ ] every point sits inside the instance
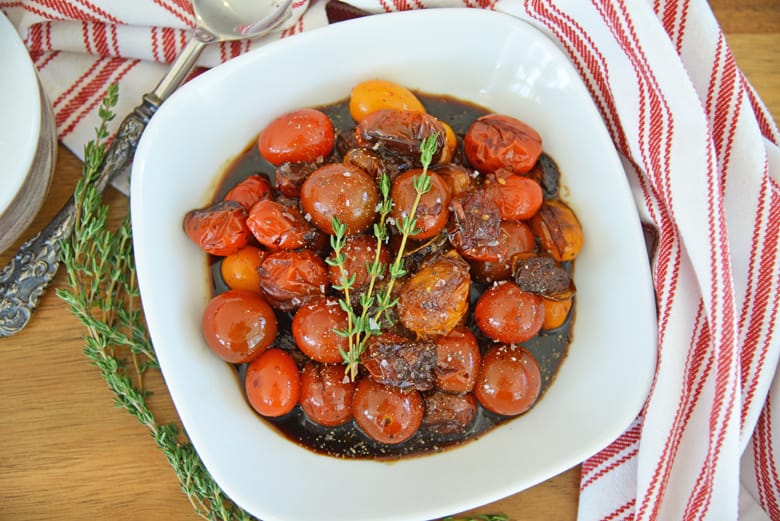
(25, 278)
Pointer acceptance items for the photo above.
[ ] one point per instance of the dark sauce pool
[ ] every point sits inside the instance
(347, 440)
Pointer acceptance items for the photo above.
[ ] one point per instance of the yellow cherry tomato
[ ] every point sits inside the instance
(555, 313)
(372, 95)
(239, 271)
(450, 143)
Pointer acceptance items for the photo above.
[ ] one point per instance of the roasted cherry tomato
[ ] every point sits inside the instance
(314, 328)
(510, 380)
(498, 141)
(475, 227)
(386, 414)
(457, 361)
(290, 278)
(515, 237)
(457, 177)
(239, 270)
(342, 191)
(289, 177)
(559, 230)
(433, 209)
(326, 397)
(238, 325)
(401, 132)
(517, 197)
(219, 229)
(372, 95)
(273, 383)
(508, 314)
(249, 191)
(301, 135)
(450, 144)
(279, 227)
(359, 253)
(447, 414)
(555, 313)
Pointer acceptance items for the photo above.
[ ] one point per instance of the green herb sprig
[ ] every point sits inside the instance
(374, 307)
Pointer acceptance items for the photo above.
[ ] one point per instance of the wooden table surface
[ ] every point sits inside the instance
(67, 453)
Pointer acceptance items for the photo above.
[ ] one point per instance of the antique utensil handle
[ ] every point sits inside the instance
(24, 279)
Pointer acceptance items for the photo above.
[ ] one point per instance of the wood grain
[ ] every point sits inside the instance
(67, 453)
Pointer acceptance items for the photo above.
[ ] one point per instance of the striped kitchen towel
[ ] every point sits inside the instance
(701, 153)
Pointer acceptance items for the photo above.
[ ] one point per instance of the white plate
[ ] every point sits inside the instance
(480, 56)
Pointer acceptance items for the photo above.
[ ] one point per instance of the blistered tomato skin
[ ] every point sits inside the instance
(249, 191)
(314, 328)
(325, 397)
(508, 314)
(359, 253)
(290, 278)
(497, 141)
(279, 227)
(433, 209)
(401, 132)
(372, 95)
(517, 197)
(220, 229)
(342, 191)
(273, 383)
(515, 237)
(510, 380)
(386, 414)
(238, 325)
(301, 135)
(457, 361)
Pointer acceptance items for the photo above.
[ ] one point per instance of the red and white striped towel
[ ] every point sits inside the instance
(701, 152)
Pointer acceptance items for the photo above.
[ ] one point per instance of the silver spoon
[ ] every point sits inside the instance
(24, 279)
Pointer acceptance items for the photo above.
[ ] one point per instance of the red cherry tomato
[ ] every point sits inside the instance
(517, 197)
(514, 237)
(342, 191)
(239, 271)
(279, 227)
(432, 211)
(508, 314)
(249, 191)
(219, 229)
(238, 325)
(401, 132)
(314, 329)
(359, 252)
(325, 397)
(510, 380)
(273, 383)
(457, 361)
(301, 135)
(386, 414)
(290, 278)
(497, 141)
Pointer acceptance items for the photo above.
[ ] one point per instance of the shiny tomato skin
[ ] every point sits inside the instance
(249, 191)
(220, 229)
(342, 191)
(497, 141)
(279, 227)
(433, 209)
(517, 197)
(372, 95)
(457, 361)
(238, 325)
(326, 397)
(507, 314)
(239, 270)
(359, 252)
(300, 135)
(290, 278)
(386, 414)
(510, 380)
(273, 383)
(515, 237)
(314, 328)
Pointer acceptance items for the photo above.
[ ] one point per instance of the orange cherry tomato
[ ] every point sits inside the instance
(238, 325)
(279, 227)
(433, 209)
(457, 361)
(342, 191)
(555, 313)
(314, 329)
(508, 314)
(510, 380)
(239, 270)
(496, 141)
(273, 383)
(301, 135)
(290, 278)
(372, 95)
(517, 197)
(386, 414)
(249, 191)
(220, 229)
(325, 397)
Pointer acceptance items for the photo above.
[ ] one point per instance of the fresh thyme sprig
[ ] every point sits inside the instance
(103, 294)
(361, 326)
